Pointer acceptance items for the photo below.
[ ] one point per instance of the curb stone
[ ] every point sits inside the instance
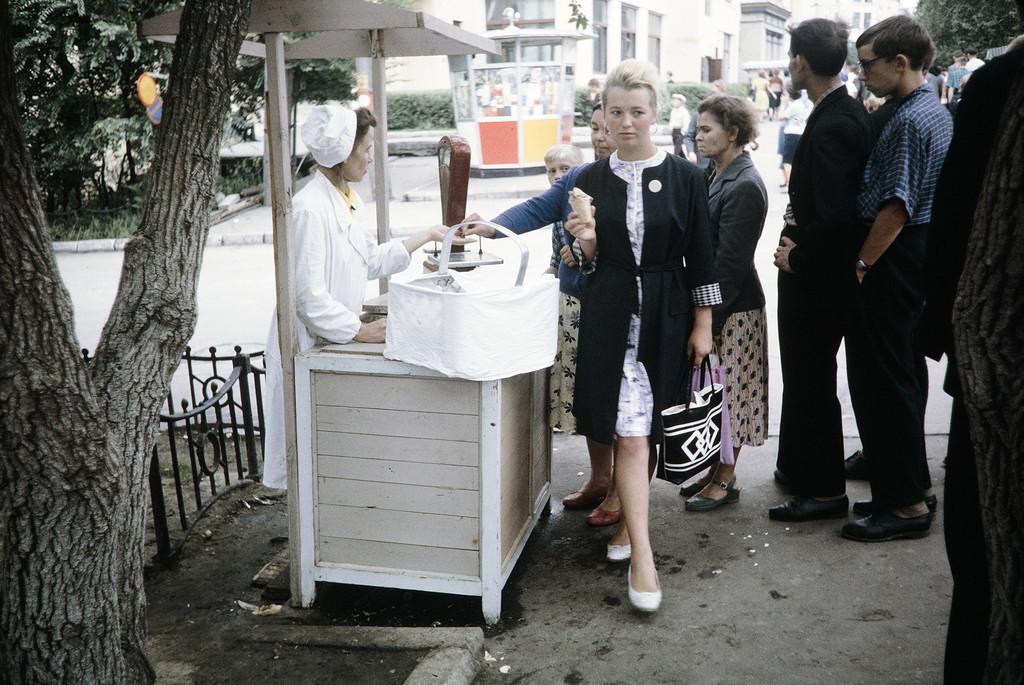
(455, 659)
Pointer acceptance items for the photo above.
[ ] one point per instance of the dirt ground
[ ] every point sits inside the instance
(747, 600)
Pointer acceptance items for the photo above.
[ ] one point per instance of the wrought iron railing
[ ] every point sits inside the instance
(212, 445)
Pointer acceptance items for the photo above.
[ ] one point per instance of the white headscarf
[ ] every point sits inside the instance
(329, 134)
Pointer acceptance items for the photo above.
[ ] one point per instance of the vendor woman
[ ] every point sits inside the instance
(335, 255)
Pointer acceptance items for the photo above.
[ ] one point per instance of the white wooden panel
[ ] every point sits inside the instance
(456, 532)
(399, 497)
(454, 452)
(400, 423)
(411, 473)
(386, 555)
(396, 392)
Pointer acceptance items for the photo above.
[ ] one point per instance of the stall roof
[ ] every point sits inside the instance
(346, 27)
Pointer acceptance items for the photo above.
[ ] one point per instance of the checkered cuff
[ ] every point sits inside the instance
(706, 295)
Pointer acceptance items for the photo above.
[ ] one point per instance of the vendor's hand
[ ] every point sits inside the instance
(477, 229)
(372, 332)
(581, 230)
(568, 257)
(782, 254)
(437, 233)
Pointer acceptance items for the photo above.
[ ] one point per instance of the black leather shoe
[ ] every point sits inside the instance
(810, 509)
(857, 466)
(782, 479)
(881, 527)
(866, 507)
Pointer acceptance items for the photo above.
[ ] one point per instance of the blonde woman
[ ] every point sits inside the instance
(642, 311)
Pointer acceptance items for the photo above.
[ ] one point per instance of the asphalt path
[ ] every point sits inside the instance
(236, 285)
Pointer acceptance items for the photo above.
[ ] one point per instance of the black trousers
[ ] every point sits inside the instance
(882, 368)
(677, 142)
(967, 634)
(811, 426)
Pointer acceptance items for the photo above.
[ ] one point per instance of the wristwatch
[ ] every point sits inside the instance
(861, 266)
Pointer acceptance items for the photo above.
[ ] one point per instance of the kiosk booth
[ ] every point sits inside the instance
(512, 111)
(398, 476)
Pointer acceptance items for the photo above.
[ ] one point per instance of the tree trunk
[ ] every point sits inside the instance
(74, 442)
(989, 334)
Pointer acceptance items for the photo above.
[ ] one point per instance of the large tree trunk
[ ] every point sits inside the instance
(987, 320)
(74, 442)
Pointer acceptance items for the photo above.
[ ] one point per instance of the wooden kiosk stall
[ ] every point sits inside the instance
(398, 476)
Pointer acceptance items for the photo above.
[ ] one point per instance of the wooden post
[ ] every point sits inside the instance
(380, 141)
(284, 262)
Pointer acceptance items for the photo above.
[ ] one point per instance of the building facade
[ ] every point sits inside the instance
(693, 40)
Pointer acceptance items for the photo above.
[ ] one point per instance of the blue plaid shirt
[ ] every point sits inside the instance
(907, 158)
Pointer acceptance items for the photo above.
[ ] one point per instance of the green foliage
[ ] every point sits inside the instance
(584, 107)
(577, 16)
(420, 110)
(95, 224)
(76, 73)
(956, 25)
(237, 175)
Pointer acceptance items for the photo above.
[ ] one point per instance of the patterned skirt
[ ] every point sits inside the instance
(563, 371)
(744, 354)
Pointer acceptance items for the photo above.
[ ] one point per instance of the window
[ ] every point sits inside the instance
(867, 19)
(628, 32)
(654, 40)
(855, 24)
(726, 53)
(599, 24)
(773, 45)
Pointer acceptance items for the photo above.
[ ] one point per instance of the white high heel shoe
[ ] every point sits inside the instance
(643, 601)
(619, 552)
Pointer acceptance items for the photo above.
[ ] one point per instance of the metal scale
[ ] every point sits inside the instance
(453, 153)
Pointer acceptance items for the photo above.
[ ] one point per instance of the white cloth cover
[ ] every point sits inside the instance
(480, 336)
(329, 134)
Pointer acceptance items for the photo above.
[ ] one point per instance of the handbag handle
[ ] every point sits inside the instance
(687, 378)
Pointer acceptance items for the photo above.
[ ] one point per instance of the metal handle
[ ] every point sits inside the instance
(446, 247)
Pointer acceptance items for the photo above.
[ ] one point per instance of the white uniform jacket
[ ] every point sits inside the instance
(335, 255)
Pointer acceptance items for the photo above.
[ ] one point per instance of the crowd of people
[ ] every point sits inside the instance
(659, 272)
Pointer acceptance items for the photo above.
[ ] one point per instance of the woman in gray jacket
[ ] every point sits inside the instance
(738, 204)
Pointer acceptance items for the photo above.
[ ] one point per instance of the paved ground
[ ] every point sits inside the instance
(747, 599)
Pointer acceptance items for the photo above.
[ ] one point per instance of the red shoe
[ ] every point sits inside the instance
(581, 499)
(601, 517)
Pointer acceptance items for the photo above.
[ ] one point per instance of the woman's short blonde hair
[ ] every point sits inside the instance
(631, 74)
(731, 111)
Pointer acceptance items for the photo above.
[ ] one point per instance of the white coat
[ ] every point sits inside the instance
(335, 255)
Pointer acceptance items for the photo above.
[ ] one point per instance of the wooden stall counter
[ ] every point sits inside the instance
(411, 479)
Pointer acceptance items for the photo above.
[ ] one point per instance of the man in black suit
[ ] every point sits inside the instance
(814, 253)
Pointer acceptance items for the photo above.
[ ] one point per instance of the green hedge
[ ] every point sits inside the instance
(430, 110)
(420, 110)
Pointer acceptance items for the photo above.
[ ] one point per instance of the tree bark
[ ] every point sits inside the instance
(75, 442)
(987, 321)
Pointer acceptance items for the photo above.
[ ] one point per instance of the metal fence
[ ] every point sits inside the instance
(213, 444)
